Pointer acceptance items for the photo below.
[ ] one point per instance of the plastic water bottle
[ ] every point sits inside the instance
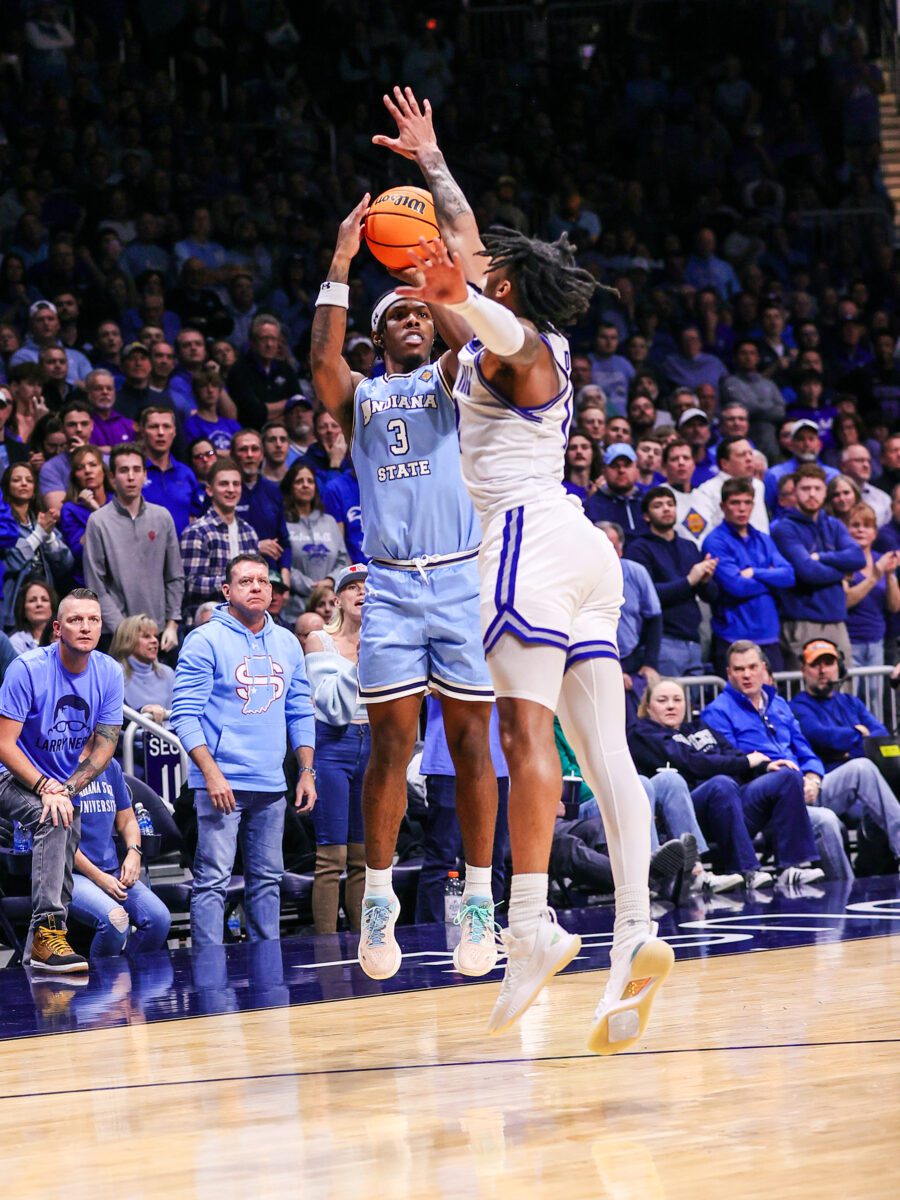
(234, 925)
(453, 890)
(571, 796)
(22, 839)
(145, 824)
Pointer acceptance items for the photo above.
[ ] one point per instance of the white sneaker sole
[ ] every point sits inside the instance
(624, 1022)
(468, 969)
(569, 951)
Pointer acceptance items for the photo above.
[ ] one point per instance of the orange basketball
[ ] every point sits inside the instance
(395, 221)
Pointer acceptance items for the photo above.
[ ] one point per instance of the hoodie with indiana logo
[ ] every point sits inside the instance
(237, 692)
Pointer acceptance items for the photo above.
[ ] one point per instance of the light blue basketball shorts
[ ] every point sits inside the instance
(422, 629)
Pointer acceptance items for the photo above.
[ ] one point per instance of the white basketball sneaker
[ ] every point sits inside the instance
(639, 964)
(477, 950)
(379, 954)
(530, 963)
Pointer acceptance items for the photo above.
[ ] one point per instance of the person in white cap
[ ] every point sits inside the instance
(694, 427)
(43, 331)
(806, 447)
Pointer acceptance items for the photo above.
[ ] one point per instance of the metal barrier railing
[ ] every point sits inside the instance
(139, 721)
(700, 690)
(870, 686)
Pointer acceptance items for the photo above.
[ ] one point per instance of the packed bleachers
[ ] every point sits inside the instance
(172, 179)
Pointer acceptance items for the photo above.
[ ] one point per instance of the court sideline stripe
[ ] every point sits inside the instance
(490, 1062)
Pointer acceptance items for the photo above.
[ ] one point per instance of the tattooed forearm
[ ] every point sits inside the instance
(449, 201)
(102, 747)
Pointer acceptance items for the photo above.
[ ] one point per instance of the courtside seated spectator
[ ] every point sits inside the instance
(836, 725)
(821, 552)
(735, 793)
(753, 717)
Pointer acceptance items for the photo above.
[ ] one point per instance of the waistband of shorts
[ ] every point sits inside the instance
(426, 562)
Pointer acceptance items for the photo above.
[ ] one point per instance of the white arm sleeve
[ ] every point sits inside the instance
(498, 329)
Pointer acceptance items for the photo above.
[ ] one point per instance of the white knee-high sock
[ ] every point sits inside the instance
(592, 713)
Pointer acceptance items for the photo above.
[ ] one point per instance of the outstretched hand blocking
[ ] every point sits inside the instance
(415, 129)
(443, 277)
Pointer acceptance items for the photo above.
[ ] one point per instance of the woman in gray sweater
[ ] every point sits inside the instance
(317, 540)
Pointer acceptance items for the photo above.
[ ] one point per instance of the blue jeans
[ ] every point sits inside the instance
(342, 754)
(733, 813)
(829, 834)
(678, 657)
(670, 799)
(869, 654)
(92, 906)
(258, 822)
(858, 788)
(444, 847)
(668, 794)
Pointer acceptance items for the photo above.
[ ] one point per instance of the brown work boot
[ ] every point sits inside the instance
(50, 951)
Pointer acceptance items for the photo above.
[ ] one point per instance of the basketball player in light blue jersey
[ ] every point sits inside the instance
(420, 622)
(551, 585)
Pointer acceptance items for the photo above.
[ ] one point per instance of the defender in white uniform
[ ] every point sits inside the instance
(551, 586)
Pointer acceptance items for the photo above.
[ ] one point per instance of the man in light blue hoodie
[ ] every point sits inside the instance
(239, 684)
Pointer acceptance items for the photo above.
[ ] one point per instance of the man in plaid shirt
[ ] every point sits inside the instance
(208, 544)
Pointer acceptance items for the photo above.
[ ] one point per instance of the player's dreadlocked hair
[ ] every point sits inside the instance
(552, 290)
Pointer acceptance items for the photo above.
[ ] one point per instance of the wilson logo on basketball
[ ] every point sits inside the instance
(399, 198)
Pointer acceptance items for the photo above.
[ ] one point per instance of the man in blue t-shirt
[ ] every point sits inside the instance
(60, 717)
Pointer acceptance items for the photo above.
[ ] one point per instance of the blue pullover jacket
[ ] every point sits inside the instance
(829, 724)
(775, 732)
(818, 594)
(745, 607)
(236, 692)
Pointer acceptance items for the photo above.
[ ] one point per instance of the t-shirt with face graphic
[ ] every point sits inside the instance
(59, 711)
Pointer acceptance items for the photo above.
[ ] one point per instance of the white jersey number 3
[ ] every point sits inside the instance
(401, 443)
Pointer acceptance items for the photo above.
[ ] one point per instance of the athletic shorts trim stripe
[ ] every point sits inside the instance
(393, 691)
(507, 619)
(461, 691)
(580, 651)
(476, 689)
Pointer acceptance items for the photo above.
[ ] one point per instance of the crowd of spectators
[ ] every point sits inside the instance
(172, 178)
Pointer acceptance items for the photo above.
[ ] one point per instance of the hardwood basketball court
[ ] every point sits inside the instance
(770, 1068)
